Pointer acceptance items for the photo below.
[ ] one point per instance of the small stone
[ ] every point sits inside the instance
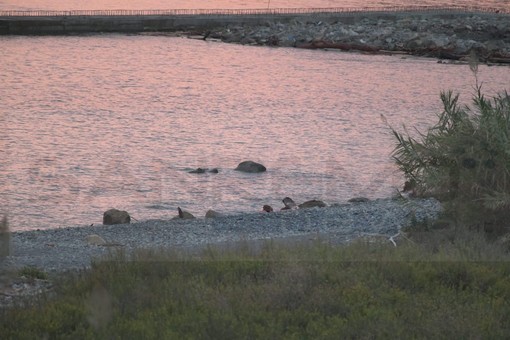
(95, 240)
(504, 241)
(358, 200)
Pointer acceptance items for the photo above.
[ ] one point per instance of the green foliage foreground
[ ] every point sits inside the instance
(315, 291)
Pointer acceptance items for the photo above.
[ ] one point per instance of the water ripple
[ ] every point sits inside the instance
(96, 122)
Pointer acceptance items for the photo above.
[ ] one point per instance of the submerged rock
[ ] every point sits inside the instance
(198, 171)
(250, 166)
(204, 170)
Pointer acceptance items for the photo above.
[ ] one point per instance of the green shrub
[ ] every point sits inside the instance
(33, 273)
(464, 159)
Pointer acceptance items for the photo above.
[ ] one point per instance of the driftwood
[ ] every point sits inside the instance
(391, 239)
(499, 60)
(440, 53)
(448, 54)
(444, 54)
(338, 46)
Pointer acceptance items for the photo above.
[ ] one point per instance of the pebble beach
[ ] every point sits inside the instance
(70, 248)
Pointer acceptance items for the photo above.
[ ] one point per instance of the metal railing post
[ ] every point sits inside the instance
(261, 11)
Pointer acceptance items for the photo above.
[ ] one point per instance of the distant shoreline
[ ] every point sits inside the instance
(447, 35)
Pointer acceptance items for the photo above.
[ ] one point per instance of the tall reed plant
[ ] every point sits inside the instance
(464, 159)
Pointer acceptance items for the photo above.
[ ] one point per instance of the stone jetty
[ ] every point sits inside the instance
(451, 34)
(444, 37)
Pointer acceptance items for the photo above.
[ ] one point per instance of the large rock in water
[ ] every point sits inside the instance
(114, 216)
(249, 166)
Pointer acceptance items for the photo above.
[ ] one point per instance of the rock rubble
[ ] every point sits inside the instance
(445, 37)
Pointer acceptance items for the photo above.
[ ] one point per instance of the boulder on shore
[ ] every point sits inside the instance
(183, 214)
(250, 166)
(289, 204)
(212, 214)
(114, 216)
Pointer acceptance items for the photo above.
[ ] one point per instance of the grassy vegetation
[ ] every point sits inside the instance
(444, 289)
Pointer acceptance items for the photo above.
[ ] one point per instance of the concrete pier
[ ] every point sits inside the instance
(39, 25)
(75, 23)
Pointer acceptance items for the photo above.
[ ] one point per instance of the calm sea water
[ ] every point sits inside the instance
(94, 122)
(224, 4)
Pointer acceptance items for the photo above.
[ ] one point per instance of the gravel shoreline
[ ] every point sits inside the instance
(63, 249)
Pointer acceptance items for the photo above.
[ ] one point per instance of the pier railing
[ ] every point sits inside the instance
(229, 12)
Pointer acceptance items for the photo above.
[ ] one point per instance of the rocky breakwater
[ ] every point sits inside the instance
(452, 37)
